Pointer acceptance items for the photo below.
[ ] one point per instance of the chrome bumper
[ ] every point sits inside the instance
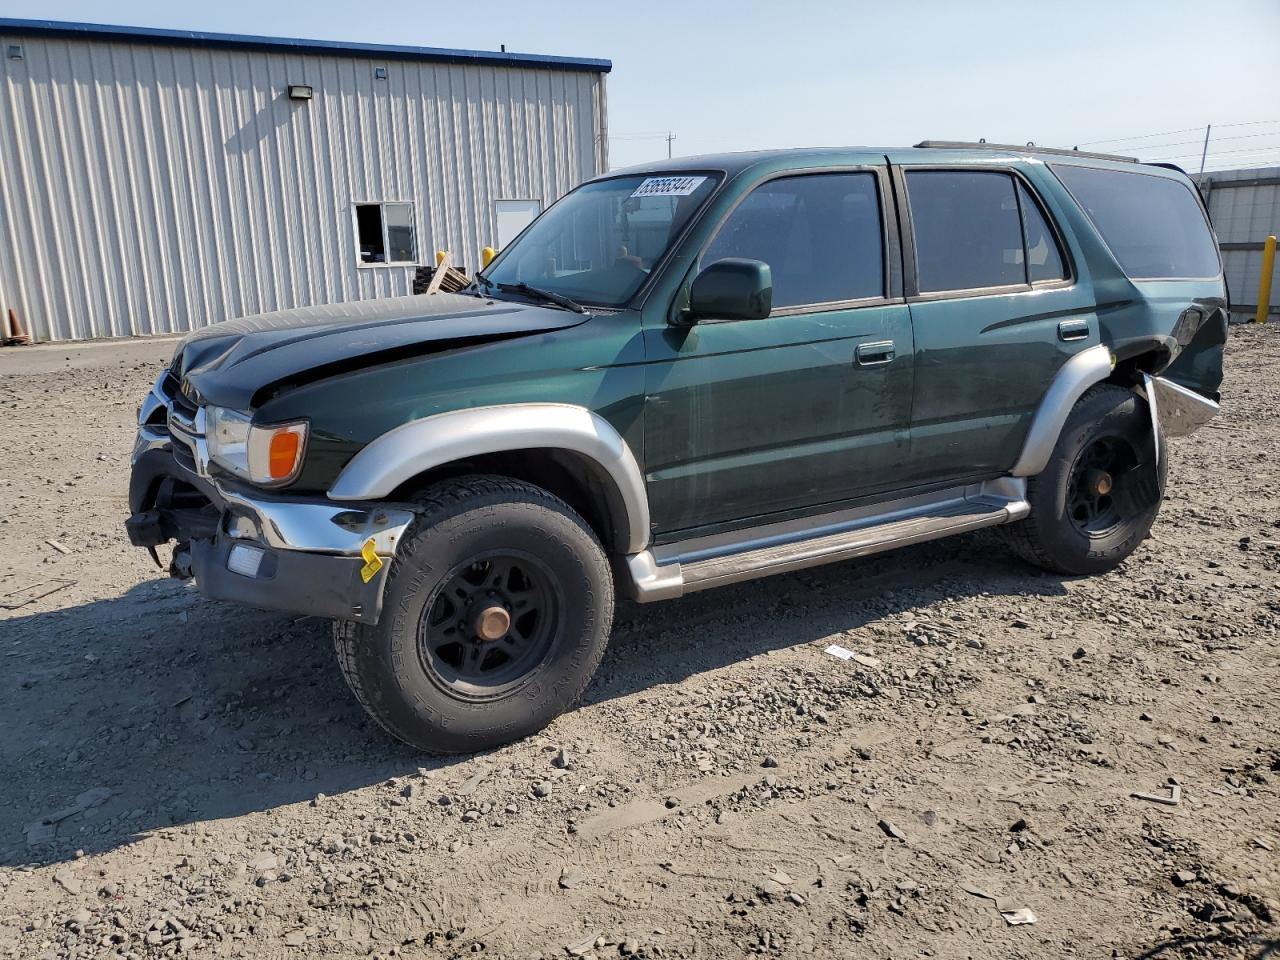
(1177, 410)
(314, 526)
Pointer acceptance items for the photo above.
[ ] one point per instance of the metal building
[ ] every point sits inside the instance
(154, 181)
(1245, 208)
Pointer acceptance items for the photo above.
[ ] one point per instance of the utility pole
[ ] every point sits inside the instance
(1205, 152)
(670, 136)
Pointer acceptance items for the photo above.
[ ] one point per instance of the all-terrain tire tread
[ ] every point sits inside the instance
(432, 505)
(1023, 537)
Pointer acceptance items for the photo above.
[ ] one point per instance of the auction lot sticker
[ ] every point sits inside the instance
(668, 186)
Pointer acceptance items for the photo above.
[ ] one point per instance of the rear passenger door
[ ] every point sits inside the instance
(996, 312)
(809, 405)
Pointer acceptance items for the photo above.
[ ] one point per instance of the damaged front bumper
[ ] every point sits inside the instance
(308, 556)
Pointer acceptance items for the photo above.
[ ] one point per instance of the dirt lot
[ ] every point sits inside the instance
(728, 788)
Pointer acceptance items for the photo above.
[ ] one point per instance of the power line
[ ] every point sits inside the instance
(1144, 136)
(1188, 143)
(1248, 123)
(1223, 153)
(1169, 133)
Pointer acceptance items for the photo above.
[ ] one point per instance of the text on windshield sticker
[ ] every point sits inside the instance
(668, 186)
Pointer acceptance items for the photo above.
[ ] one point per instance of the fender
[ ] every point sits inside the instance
(420, 445)
(1076, 376)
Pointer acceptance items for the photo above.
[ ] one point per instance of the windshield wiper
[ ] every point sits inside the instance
(546, 296)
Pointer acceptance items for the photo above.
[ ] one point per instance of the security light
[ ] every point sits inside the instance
(299, 91)
(380, 73)
(15, 51)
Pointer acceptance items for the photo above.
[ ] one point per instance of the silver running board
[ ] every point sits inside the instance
(673, 570)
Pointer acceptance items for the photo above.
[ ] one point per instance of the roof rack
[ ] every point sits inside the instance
(1019, 148)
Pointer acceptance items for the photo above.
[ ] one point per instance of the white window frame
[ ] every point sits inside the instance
(542, 208)
(386, 245)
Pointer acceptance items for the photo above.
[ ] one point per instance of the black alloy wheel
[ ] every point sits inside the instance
(493, 620)
(1092, 504)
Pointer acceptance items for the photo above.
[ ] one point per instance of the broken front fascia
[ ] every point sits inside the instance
(301, 555)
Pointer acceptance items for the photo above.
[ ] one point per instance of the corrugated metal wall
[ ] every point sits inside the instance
(150, 189)
(1245, 208)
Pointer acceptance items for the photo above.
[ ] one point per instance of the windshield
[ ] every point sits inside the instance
(598, 244)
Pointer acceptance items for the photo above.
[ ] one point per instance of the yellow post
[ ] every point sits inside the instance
(486, 256)
(441, 255)
(1264, 285)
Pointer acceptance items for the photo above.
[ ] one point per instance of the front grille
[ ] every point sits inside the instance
(179, 421)
(182, 408)
(183, 455)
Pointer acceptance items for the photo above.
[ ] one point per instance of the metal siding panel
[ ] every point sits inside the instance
(150, 188)
(1246, 214)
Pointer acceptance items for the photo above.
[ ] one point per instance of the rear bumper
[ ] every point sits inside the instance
(1177, 410)
(279, 553)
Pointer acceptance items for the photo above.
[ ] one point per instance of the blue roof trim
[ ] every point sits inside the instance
(193, 38)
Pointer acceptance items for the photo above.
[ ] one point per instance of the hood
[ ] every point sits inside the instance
(229, 364)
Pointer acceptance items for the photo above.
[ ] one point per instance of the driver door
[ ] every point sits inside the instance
(809, 406)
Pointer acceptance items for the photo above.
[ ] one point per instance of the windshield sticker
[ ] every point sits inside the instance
(668, 186)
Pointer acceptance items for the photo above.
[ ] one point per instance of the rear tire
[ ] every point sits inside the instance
(1097, 498)
(496, 613)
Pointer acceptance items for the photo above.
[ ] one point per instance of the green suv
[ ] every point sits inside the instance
(682, 376)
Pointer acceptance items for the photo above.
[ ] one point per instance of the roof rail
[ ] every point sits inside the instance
(1019, 148)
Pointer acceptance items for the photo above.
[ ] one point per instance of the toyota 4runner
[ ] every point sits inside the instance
(682, 376)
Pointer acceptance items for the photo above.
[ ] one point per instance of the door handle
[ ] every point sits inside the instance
(869, 354)
(1073, 330)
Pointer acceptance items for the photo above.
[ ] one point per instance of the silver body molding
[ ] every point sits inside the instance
(673, 570)
(342, 524)
(413, 448)
(1076, 376)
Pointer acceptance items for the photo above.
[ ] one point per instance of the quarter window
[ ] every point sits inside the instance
(821, 236)
(1153, 224)
(966, 228)
(1044, 259)
(385, 233)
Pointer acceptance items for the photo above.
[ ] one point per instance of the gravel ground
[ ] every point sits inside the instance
(185, 777)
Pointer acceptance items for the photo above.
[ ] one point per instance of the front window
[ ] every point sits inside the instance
(820, 234)
(598, 245)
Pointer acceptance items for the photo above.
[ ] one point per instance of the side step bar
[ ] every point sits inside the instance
(673, 570)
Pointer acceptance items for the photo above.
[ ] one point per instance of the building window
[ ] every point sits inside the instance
(385, 233)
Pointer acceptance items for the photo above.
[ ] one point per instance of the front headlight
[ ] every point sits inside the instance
(265, 455)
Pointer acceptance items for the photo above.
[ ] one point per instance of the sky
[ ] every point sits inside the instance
(1125, 76)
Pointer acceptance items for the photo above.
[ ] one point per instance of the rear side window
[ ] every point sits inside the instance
(821, 235)
(1153, 225)
(967, 229)
(1044, 259)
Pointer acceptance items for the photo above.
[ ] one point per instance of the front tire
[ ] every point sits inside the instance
(496, 613)
(1097, 498)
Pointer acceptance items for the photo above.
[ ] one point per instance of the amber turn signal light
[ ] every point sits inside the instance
(282, 455)
(276, 452)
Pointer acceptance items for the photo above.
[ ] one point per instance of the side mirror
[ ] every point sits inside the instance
(731, 289)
